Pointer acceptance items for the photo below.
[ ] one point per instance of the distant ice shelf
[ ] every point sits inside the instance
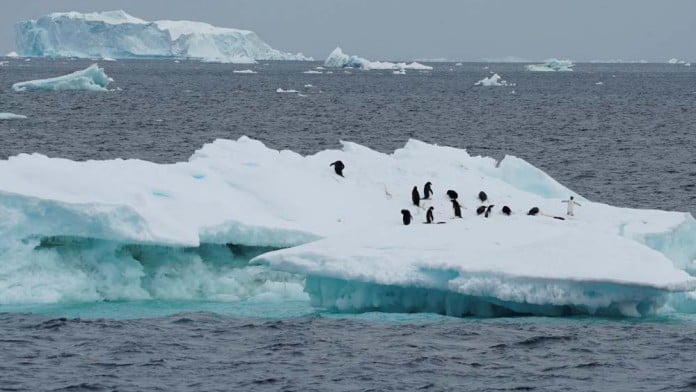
(118, 35)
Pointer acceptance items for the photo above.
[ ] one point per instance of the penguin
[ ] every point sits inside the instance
(506, 210)
(406, 217)
(429, 215)
(480, 210)
(427, 190)
(415, 197)
(457, 209)
(338, 167)
(452, 194)
(533, 211)
(483, 196)
(488, 210)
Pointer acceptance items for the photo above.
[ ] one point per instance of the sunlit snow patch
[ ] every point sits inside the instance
(91, 78)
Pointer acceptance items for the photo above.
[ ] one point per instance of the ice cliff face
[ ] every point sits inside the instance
(116, 34)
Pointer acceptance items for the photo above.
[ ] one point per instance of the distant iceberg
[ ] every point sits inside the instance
(493, 80)
(338, 59)
(118, 35)
(11, 116)
(12, 54)
(552, 65)
(91, 78)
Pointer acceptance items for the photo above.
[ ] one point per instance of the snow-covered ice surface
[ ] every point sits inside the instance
(118, 35)
(494, 80)
(91, 78)
(233, 201)
(338, 59)
(11, 116)
(552, 65)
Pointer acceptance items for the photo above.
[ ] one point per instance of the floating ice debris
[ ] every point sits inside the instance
(12, 54)
(92, 78)
(459, 64)
(117, 34)
(308, 86)
(3, 63)
(312, 72)
(338, 59)
(280, 90)
(244, 71)
(599, 83)
(11, 116)
(494, 80)
(673, 61)
(552, 65)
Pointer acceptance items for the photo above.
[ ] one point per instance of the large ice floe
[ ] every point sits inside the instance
(551, 65)
(240, 221)
(118, 35)
(91, 78)
(338, 59)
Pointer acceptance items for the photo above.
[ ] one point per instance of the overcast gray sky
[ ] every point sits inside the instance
(407, 29)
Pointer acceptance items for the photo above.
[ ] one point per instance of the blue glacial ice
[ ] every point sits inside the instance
(235, 223)
(91, 78)
(118, 35)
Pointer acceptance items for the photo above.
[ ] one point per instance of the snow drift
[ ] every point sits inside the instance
(91, 78)
(118, 35)
(239, 220)
(338, 59)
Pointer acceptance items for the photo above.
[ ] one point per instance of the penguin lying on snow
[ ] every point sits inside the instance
(483, 196)
(338, 167)
(533, 211)
(489, 209)
(480, 210)
(506, 210)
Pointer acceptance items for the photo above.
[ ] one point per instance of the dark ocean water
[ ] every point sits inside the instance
(628, 141)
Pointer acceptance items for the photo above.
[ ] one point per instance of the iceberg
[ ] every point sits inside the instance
(118, 35)
(11, 116)
(338, 59)
(493, 80)
(91, 78)
(237, 222)
(552, 65)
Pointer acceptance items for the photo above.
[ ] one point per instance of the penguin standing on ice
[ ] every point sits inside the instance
(338, 167)
(429, 218)
(571, 205)
(483, 196)
(452, 194)
(406, 217)
(427, 190)
(457, 208)
(415, 196)
(480, 210)
(506, 210)
(488, 210)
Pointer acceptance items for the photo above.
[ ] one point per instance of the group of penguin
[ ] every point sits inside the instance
(484, 210)
(406, 216)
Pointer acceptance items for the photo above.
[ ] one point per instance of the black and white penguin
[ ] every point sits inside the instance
(338, 167)
(533, 211)
(452, 194)
(427, 190)
(415, 196)
(480, 210)
(429, 218)
(488, 210)
(483, 196)
(506, 210)
(406, 217)
(457, 208)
